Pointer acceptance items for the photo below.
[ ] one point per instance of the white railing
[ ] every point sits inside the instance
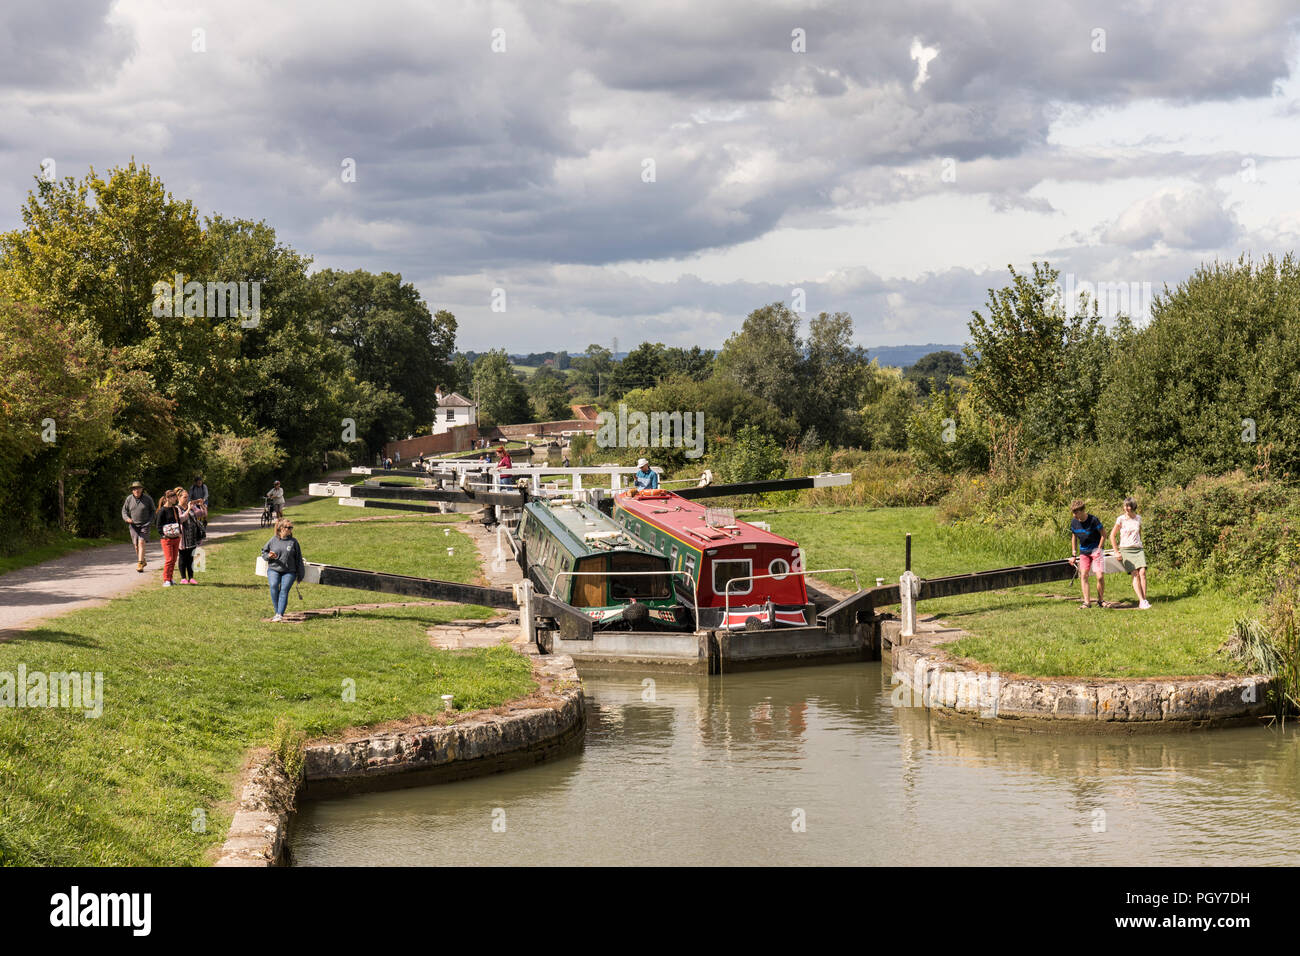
(619, 574)
(756, 577)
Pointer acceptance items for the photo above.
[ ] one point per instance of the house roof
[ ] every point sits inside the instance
(585, 412)
(455, 400)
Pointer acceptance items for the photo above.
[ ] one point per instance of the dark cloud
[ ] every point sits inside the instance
(471, 161)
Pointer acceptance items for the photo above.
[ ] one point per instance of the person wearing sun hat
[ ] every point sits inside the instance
(138, 512)
(645, 479)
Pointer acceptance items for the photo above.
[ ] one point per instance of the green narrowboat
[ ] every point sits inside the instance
(576, 553)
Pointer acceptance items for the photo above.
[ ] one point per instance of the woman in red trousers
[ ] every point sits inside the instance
(169, 527)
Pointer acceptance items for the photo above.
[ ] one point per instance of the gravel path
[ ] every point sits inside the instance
(87, 578)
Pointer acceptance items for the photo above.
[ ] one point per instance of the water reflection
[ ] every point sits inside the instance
(696, 770)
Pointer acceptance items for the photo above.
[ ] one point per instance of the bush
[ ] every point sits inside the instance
(1230, 530)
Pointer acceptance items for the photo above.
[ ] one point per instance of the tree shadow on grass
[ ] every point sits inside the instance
(46, 637)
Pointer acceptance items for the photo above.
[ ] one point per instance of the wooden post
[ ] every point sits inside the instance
(908, 565)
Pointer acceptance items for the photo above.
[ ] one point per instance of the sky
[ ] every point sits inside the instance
(656, 171)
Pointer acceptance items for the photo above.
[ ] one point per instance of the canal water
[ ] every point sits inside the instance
(816, 766)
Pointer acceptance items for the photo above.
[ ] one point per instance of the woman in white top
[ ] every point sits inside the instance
(1128, 529)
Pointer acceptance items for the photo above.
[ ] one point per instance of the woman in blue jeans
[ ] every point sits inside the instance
(284, 565)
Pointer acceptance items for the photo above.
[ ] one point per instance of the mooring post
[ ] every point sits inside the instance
(499, 559)
(909, 588)
(524, 595)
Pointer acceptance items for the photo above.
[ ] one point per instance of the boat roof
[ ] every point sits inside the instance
(582, 529)
(686, 519)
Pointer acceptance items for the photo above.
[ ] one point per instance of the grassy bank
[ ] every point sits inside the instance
(193, 678)
(1037, 630)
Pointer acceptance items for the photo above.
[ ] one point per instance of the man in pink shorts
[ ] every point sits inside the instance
(1086, 552)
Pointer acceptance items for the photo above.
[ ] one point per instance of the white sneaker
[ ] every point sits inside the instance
(277, 619)
(1144, 605)
(167, 584)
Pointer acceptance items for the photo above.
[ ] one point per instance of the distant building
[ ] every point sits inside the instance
(453, 409)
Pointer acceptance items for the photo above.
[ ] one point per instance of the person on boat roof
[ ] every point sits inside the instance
(644, 479)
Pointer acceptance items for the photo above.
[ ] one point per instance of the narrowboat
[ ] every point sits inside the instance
(740, 575)
(576, 553)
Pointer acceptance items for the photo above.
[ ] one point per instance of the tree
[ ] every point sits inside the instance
(695, 362)
(643, 367)
(935, 369)
(90, 252)
(500, 395)
(394, 340)
(890, 402)
(834, 374)
(818, 383)
(1036, 368)
(550, 394)
(1209, 384)
(594, 368)
(766, 357)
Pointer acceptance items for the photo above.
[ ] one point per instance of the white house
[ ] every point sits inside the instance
(453, 409)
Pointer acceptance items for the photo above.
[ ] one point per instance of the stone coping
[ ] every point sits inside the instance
(546, 723)
(933, 679)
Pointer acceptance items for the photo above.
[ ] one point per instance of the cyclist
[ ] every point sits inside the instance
(275, 500)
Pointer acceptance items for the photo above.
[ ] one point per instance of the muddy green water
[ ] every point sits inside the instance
(723, 770)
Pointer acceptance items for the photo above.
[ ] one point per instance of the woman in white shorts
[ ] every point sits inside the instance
(1128, 530)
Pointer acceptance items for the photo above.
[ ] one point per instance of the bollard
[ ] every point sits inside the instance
(446, 702)
(524, 595)
(909, 588)
(499, 559)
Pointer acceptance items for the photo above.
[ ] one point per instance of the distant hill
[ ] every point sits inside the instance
(902, 356)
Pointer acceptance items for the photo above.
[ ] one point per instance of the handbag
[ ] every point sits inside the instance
(261, 568)
(173, 528)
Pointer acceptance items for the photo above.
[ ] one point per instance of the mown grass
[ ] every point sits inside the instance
(193, 678)
(1019, 630)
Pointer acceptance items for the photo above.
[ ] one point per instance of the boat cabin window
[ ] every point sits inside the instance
(624, 587)
(779, 568)
(724, 571)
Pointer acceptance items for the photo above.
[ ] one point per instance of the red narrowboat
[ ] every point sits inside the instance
(740, 572)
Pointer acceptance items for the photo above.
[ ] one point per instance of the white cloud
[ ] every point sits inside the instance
(922, 55)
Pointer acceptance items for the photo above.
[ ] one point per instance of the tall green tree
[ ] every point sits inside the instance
(501, 397)
(395, 342)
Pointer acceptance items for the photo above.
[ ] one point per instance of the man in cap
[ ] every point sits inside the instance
(645, 479)
(137, 512)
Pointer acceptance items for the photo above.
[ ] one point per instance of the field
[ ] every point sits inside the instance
(1038, 630)
(193, 677)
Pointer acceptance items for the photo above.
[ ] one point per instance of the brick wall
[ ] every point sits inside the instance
(459, 438)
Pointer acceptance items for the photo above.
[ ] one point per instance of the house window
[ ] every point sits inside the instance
(451, 414)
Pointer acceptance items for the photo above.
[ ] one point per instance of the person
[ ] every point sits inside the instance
(399, 458)
(276, 497)
(137, 512)
(192, 532)
(168, 519)
(284, 565)
(1128, 530)
(1086, 553)
(199, 495)
(645, 479)
(566, 461)
(503, 463)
